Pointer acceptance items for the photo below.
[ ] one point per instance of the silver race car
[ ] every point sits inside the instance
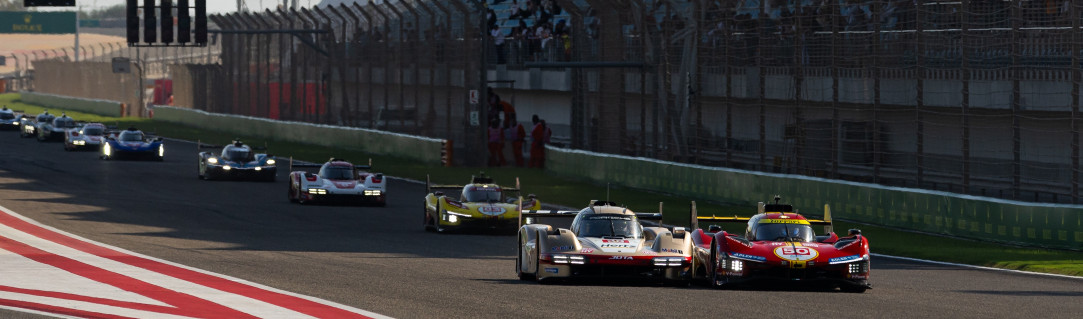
(604, 240)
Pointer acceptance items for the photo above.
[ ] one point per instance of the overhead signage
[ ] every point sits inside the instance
(37, 22)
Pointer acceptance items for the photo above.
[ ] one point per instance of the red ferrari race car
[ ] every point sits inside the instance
(779, 245)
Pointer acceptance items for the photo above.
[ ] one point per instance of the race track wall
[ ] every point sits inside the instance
(92, 106)
(422, 149)
(1045, 225)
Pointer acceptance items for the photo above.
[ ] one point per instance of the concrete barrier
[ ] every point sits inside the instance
(92, 106)
(424, 149)
(1033, 224)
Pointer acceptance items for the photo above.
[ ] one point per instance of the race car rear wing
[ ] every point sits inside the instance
(695, 218)
(307, 164)
(429, 186)
(562, 218)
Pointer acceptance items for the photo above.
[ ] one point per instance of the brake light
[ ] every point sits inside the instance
(456, 204)
(311, 178)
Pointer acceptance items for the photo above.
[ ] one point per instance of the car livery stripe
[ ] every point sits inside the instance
(46, 270)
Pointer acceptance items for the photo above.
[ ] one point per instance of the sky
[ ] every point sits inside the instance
(213, 6)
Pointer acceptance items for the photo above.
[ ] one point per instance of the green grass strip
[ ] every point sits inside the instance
(573, 193)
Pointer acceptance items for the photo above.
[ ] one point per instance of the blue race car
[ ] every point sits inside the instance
(236, 161)
(132, 144)
(9, 119)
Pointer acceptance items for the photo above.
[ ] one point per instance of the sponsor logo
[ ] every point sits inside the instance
(837, 260)
(784, 221)
(556, 248)
(747, 256)
(618, 246)
(614, 241)
(492, 210)
(345, 184)
(621, 258)
(586, 250)
(552, 270)
(671, 250)
(798, 253)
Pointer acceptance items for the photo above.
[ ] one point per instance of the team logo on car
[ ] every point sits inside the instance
(797, 253)
(492, 210)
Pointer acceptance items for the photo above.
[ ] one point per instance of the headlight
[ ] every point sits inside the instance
(374, 192)
(227, 167)
(79, 142)
(161, 150)
(453, 218)
(212, 160)
(271, 161)
(316, 191)
(668, 261)
(736, 265)
(259, 168)
(107, 150)
(568, 259)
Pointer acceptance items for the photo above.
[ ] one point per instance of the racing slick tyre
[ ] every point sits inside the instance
(425, 220)
(290, 193)
(519, 264)
(712, 272)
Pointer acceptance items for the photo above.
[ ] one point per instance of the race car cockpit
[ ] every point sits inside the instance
(482, 194)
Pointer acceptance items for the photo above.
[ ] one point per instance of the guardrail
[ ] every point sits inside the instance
(1032, 224)
(426, 150)
(92, 106)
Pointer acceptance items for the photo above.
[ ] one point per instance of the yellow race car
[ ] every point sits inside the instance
(480, 205)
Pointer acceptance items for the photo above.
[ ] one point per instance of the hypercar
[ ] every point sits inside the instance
(57, 129)
(480, 205)
(28, 127)
(87, 137)
(132, 144)
(238, 161)
(9, 119)
(604, 240)
(338, 181)
(779, 246)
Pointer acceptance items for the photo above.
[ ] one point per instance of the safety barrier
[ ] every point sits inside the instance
(427, 150)
(1044, 225)
(92, 106)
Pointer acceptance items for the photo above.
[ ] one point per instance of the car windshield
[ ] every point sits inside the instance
(236, 154)
(610, 226)
(131, 136)
(336, 172)
(482, 194)
(93, 131)
(784, 232)
(64, 122)
(7, 116)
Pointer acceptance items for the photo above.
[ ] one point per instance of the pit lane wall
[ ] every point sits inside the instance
(91, 106)
(427, 150)
(1033, 224)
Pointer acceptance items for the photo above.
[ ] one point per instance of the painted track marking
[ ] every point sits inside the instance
(46, 270)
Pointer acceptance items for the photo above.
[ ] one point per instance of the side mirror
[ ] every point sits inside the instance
(158, 139)
(438, 193)
(532, 196)
(714, 228)
(855, 232)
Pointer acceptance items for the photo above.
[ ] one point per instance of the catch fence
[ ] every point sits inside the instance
(973, 97)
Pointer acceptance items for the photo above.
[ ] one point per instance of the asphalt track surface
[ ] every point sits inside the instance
(381, 260)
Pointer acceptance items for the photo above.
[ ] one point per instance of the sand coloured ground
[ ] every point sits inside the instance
(26, 43)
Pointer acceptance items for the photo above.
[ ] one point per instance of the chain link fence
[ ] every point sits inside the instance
(972, 97)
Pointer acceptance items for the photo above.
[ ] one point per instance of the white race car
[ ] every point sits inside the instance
(338, 181)
(87, 137)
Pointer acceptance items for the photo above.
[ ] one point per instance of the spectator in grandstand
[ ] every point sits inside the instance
(498, 44)
(539, 136)
(496, 144)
